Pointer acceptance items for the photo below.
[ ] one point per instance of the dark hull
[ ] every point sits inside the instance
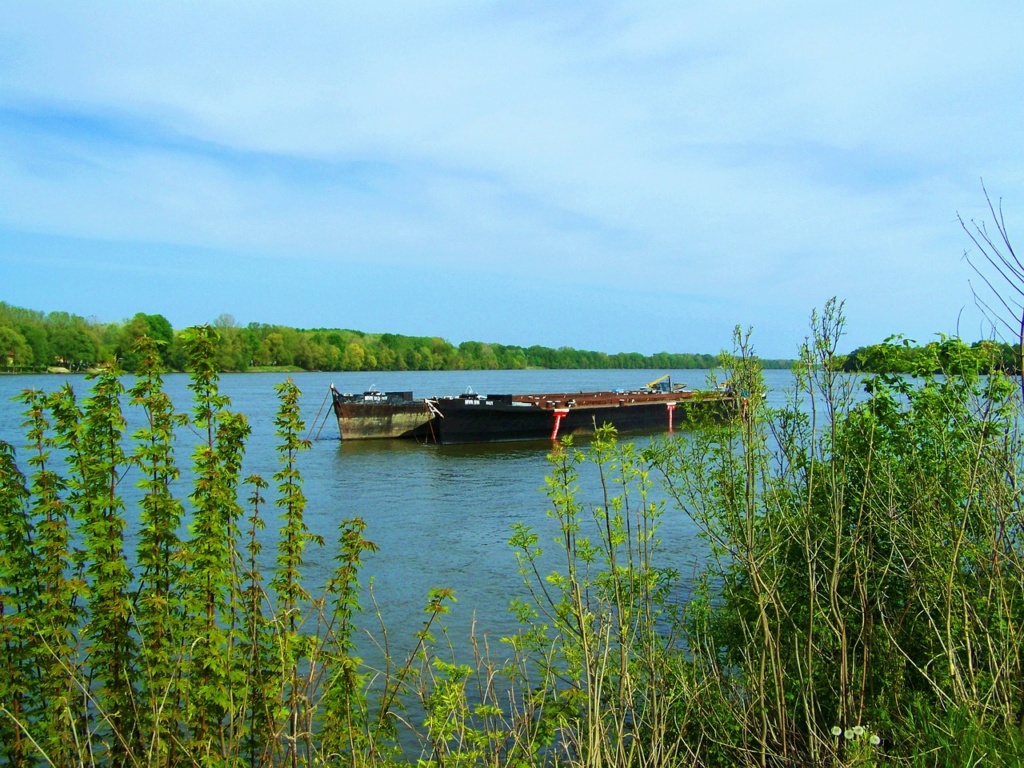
(474, 418)
(480, 421)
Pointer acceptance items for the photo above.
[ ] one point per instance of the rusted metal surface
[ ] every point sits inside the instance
(380, 415)
(607, 399)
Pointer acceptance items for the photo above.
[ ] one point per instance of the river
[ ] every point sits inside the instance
(441, 515)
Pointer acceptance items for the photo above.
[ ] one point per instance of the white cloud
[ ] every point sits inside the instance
(775, 154)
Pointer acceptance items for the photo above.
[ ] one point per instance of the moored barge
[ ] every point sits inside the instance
(496, 418)
(378, 415)
(473, 418)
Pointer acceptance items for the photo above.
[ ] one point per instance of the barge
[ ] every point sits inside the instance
(473, 418)
(495, 418)
(374, 415)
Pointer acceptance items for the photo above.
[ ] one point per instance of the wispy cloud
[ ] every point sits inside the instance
(705, 164)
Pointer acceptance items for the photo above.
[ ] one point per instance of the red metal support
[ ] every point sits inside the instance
(671, 410)
(559, 415)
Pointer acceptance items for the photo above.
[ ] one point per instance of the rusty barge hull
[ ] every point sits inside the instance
(381, 416)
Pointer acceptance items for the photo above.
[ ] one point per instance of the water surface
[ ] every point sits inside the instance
(441, 515)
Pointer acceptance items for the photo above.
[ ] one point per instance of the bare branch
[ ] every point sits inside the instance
(1003, 276)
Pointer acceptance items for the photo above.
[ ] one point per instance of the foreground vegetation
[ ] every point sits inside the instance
(862, 602)
(899, 355)
(34, 341)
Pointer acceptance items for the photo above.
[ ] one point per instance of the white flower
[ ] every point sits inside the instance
(858, 730)
(875, 740)
(836, 730)
(848, 734)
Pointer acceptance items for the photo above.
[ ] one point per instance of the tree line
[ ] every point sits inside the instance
(32, 341)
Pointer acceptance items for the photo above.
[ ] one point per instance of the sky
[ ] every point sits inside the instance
(611, 176)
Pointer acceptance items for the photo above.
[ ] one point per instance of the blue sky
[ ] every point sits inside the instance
(602, 175)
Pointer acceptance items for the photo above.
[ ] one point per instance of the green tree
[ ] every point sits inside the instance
(231, 351)
(74, 346)
(155, 327)
(38, 339)
(15, 351)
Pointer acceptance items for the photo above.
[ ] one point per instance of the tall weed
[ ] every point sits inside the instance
(867, 566)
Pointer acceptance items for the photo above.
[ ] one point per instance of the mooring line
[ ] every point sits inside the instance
(318, 416)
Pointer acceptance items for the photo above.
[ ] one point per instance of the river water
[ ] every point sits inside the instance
(441, 515)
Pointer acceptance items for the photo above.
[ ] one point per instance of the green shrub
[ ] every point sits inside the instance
(867, 566)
